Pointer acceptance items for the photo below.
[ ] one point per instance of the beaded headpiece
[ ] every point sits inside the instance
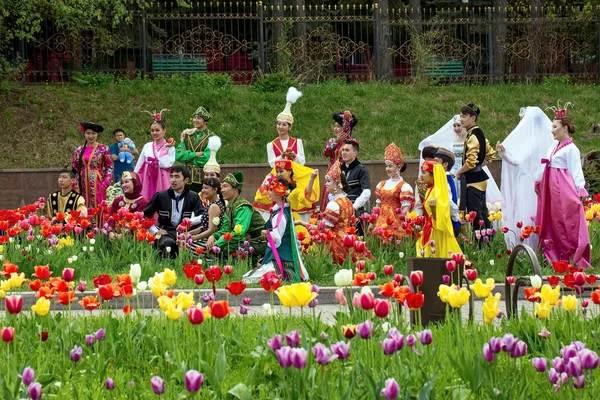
(335, 173)
(393, 154)
(560, 113)
(156, 116)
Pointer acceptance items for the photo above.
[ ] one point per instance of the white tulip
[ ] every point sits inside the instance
(135, 271)
(49, 251)
(74, 257)
(143, 285)
(268, 309)
(365, 290)
(84, 248)
(497, 206)
(401, 254)
(91, 248)
(385, 326)
(492, 262)
(536, 281)
(343, 277)
(70, 260)
(168, 249)
(92, 241)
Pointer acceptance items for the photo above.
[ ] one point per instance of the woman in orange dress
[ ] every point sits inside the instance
(338, 215)
(395, 197)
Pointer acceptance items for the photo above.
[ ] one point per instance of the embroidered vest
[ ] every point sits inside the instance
(278, 148)
(69, 206)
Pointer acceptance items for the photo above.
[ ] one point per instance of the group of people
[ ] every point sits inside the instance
(542, 182)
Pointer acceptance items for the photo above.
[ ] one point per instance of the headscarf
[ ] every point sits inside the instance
(137, 185)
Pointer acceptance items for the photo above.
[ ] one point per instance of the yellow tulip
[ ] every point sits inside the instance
(16, 280)
(205, 311)
(490, 307)
(170, 277)
(569, 303)
(550, 295)
(296, 295)
(412, 215)
(41, 307)
(542, 310)
(5, 286)
(589, 215)
(65, 241)
(443, 291)
(185, 300)
(498, 215)
(173, 312)
(237, 229)
(458, 298)
(164, 302)
(158, 289)
(1, 249)
(482, 290)
(2, 294)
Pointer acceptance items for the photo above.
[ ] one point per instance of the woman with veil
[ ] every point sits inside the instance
(521, 153)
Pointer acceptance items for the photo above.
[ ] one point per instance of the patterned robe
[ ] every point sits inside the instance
(94, 173)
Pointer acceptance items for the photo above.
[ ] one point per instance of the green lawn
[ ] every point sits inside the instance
(40, 121)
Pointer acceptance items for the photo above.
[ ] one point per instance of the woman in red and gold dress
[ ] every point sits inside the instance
(394, 196)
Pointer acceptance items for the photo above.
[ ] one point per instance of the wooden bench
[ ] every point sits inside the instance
(179, 63)
(448, 68)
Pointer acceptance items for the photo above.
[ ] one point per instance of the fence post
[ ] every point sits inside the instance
(491, 68)
(144, 43)
(376, 41)
(261, 37)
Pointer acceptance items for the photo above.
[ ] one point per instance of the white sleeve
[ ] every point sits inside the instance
(271, 154)
(167, 160)
(300, 156)
(406, 188)
(141, 159)
(418, 208)
(574, 166)
(362, 199)
(453, 207)
(333, 206)
(278, 232)
(195, 219)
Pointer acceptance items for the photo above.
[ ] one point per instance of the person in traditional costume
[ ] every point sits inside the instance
(132, 199)
(193, 150)
(286, 147)
(172, 206)
(66, 199)
(394, 196)
(560, 214)
(427, 154)
(521, 153)
(241, 222)
(437, 237)
(477, 154)
(445, 158)
(93, 166)
(358, 180)
(211, 220)
(283, 250)
(344, 123)
(339, 214)
(156, 159)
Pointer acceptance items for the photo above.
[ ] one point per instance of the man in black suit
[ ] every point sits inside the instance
(172, 206)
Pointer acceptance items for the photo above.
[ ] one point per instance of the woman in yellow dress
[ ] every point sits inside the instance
(437, 238)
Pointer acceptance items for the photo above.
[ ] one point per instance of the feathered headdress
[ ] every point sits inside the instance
(560, 113)
(156, 116)
(277, 187)
(292, 96)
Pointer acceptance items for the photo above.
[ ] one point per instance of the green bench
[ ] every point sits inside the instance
(179, 63)
(444, 68)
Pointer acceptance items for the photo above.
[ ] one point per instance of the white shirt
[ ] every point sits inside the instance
(333, 206)
(569, 158)
(284, 143)
(278, 231)
(165, 161)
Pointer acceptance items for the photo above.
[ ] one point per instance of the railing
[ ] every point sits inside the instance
(315, 42)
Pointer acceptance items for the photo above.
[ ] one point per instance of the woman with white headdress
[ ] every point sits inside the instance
(521, 153)
(450, 136)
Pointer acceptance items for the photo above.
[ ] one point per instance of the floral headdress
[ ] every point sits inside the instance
(335, 173)
(428, 166)
(393, 154)
(560, 113)
(157, 116)
(277, 187)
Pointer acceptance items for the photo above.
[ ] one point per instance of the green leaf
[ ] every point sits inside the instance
(5, 390)
(461, 394)
(425, 392)
(221, 364)
(75, 394)
(241, 392)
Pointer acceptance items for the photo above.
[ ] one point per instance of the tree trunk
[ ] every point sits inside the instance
(384, 42)
(498, 40)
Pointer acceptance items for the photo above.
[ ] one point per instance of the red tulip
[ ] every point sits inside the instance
(228, 269)
(458, 258)
(219, 309)
(14, 304)
(44, 336)
(68, 274)
(42, 271)
(553, 280)
(398, 278)
(591, 279)
(8, 334)
(510, 280)
(359, 246)
(102, 280)
(585, 303)
(199, 279)
(519, 224)
(195, 315)
(213, 274)
(360, 265)
(127, 310)
(227, 236)
(451, 266)
(561, 267)
(579, 278)
(9, 268)
(471, 274)
(416, 278)
(236, 288)
(372, 275)
(367, 301)
(191, 270)
(382, 308)
(349, 241)
(107, 292)
(270, 281)
(35, 285)
(127, 290)
(504, 229)
(414, 301)
(388, 269)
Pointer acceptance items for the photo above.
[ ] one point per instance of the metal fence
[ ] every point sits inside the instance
(315, 42)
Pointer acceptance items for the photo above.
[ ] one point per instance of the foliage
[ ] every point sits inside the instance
(275, 82)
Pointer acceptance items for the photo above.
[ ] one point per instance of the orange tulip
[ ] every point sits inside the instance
(400, 293)
(46, 291)
(42, 271)
(531, 294)
(387, 290)
(124, 279)
(35, 285)
(66, 297)
(227, 236)
(9, 268)
(90, 303)
(219, 309)
(361, 279)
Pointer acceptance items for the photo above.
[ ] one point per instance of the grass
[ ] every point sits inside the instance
(40, 121)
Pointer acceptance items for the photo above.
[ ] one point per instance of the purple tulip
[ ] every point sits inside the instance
(82, 286)
(89, 339)
(487, 353)
(193, 380)
(314, 289)
(101, 334)
(76, 353)
(411, 340)
(579, 382)
(559, 364)
(246, 244)
(397, 337)
(208, 297)
(588, 358)
(132, 384)
(251, 249)
(446, 279)
(275, 343)
(425, 337)
(496, 345)
(158, 385)
(216, 250)
(293, 338)
(246, 301)
(568, 352)
(563, 378)
(28, 376)
(109, 384)
(341, 349)
(486, 239)
(324, 336)
(283, 356)
(509, 342)
(519, 349)
(389, 346)
(579, 289)
(574, 367)
(323, 354)
(365, 329)
(35, 390)
(391, 389)
(298, 357)
(578, 345)
(243, 310)
(313, 303)
(553, 375)
(539, 364)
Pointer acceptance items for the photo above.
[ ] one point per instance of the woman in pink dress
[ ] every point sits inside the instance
(342, 128)
(156, 159)
(563, 229)
(92, 165)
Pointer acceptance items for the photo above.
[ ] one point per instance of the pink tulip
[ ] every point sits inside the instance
(356, 300)
(193, 380)
(416, 278)
(68, 274)
(360, 265)
(365, 329)
(14, 304)
(391, 389)
(195, 315)
(367, 301)
(341, 349)
(398, 277)
(382, 308)
(82, 286)
(451, 266)
(539, 364)
(228, 269)
(340, 297)
(388, 269)
(199, 279)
